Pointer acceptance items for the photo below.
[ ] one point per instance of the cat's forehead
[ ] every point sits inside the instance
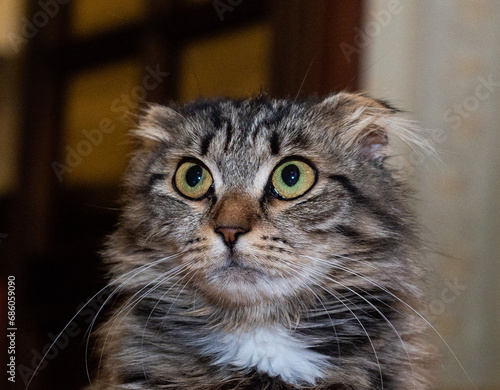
(240, 139)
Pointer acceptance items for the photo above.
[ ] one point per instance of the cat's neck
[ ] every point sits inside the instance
(286, 314)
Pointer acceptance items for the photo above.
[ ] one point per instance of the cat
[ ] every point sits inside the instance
(266, 244)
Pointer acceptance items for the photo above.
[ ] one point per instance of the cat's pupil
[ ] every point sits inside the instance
(193, 175)
(290, 175)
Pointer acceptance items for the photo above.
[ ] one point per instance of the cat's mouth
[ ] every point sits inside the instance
(237, 273)
(240, 280)
(236, 266)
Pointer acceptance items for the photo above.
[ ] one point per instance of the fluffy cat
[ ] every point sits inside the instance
(265, 244)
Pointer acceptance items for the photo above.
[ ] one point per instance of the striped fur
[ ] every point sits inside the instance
(332, 277)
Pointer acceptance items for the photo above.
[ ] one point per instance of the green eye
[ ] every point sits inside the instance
(193, 180)
(292, 179)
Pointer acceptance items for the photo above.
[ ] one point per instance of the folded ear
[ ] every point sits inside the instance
(373, 141)
(156, 126)
(366, 126)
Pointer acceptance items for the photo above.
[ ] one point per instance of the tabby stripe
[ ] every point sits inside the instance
(346, 183)
(275, 143)
(383, 216)
(347, 231)
(229, 134)
(155, 177)
(133, 378)
(173, 200)
(376, 244)
(205, 143)
(354, 191)
(215, 116)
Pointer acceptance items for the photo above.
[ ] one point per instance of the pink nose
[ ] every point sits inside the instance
(230, 233)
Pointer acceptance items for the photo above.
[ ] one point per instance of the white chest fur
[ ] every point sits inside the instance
(273, 351)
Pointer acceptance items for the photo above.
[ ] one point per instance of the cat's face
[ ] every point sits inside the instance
(258, 199)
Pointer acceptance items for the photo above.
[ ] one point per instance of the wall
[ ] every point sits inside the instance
(439, 61)
(10, 22)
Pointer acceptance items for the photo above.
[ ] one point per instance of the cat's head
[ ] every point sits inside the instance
(262, 200)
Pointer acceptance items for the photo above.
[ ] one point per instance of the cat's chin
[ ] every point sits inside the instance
(238, 284)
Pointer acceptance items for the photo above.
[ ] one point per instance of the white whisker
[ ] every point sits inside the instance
(125, 275)
(314, 272)
(411, 309)
(166, 315)
(292, 268)
(135, 271)
(131, 302)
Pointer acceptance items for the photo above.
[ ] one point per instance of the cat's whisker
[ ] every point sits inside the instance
(317, 281)
(159, 280)
(136, 271)
(166, 315)
(365, 263)
(368, 302)
(121, 285)
(176, 298)
(372, 282)
(305, 78)
(386, 320)
(448, 347)
(296, 272)
(124, 276)
(377, 360)
(347, 269)
(131, 302)
(152, 235)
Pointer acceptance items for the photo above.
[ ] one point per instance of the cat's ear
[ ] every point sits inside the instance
(156, 126)
(365, 125)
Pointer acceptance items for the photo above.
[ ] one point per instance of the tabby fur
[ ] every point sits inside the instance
(337, 272)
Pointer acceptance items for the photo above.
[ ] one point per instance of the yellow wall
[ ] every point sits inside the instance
(96, 103)
(10, 23)
(9, 127)
(92, 16)
(235, 64)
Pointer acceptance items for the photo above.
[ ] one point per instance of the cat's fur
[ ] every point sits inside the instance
(321, 289)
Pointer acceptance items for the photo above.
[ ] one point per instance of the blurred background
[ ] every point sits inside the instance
(72, 72)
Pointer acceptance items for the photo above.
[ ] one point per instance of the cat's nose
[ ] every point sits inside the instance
(234, 217)
(231, 233)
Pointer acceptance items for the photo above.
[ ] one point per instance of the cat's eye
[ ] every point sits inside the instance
(193, 180)
(292, 178)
